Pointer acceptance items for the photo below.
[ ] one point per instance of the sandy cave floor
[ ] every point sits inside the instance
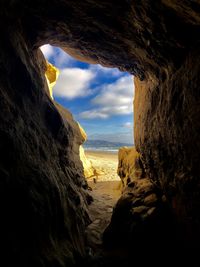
(106, 190)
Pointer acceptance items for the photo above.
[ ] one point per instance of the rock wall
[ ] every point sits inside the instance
(129, 165)
(42, 195)
(142, 227)
(167, 136)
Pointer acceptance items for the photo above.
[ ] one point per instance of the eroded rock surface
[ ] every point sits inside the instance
(167, 131)
(129, 165)
(43, 197)
(143, 226)
(51, 75)
(88, 168)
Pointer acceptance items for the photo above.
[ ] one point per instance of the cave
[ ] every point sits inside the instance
(44, 196)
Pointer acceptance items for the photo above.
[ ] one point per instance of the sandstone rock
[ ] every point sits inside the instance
(151, 211)
(51, 75)
(89, 170)
(150, 199)
(130, 165)
(139, 210)
(43, 196)
(140, 224)
(83, 133)
(141, 188)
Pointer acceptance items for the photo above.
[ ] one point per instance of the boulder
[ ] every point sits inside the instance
(129, 165)
(143, 225)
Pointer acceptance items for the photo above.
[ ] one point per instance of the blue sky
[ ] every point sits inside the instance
(99, 98)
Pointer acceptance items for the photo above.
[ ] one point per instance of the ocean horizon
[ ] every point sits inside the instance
(102, 149)
(104, 146)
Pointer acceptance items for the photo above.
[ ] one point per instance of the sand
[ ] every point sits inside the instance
(106, 182)
(106, 190)
(105, 163)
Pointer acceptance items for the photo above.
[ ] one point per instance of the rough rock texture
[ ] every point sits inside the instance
(89, 170)
(51, 75)
(167, 128)
(143, 224)
(42, 206)
(87, 165)
(43, 191)
(130, 166)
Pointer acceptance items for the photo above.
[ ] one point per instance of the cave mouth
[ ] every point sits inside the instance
(101, 101)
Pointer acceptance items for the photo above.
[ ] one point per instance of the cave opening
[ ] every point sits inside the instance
(101, 101)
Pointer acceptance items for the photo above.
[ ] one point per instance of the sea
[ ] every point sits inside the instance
(103, 149)
(104, 146)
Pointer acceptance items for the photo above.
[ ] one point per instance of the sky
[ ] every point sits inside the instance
(100, 99)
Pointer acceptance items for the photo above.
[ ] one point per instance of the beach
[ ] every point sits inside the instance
(106, 181)
(105, 190)
(105, 163)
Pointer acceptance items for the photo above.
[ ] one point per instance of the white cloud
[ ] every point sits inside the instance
(59, 57)
(114, 99)
(73, 82)
(62, 59)
(100, 70)
(92, 114)
(106, 112)
(128, 125)
(47, 50)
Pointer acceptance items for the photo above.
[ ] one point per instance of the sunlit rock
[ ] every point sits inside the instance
(87, 165)
(51, 75)
(129, 165)
(82, 131)
(89, 170)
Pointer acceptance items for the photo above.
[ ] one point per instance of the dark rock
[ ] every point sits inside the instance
(150, 199)
(139, 210)
(42, 197)
(144, 226)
